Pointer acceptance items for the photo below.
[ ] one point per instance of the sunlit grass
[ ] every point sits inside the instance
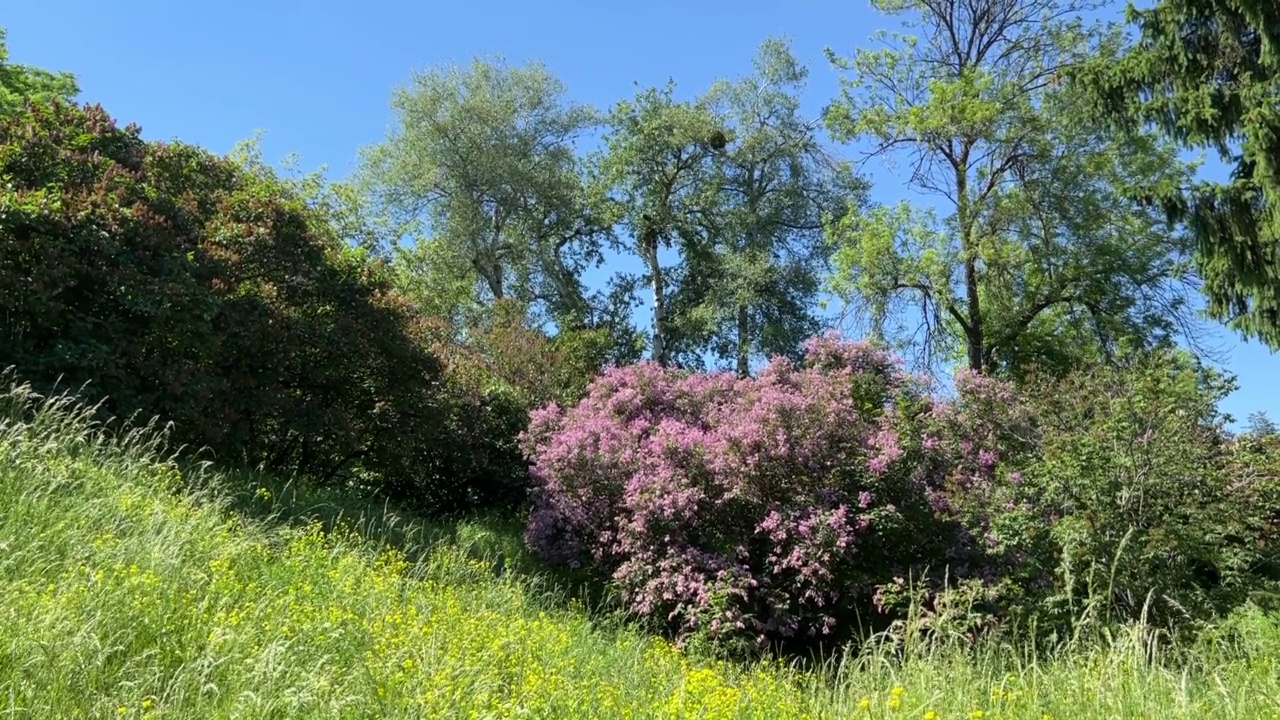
(126, 591)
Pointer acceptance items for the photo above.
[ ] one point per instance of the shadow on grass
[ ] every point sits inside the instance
(494, 539)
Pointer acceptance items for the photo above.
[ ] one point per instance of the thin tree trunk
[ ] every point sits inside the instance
(751, 241)
(489, 267)
(659, 348)
(973, 333)
(744, 341)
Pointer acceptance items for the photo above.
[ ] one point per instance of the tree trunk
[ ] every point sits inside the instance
(493, 278)
(744, 341)
(659, 349)
(488, 265)
(750, 242)
(973, 333)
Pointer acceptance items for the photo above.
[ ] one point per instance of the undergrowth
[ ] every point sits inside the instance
(132, 588)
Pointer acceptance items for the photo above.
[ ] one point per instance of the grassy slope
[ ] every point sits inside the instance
(124, 593)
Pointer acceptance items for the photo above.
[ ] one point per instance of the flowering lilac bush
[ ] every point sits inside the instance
(757, 509)
(781, 507)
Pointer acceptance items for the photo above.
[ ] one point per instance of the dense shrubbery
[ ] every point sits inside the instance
(506, 349)
(188, 286)
(737, 508)
(1122, 499)
(744, 511)
(1152, 514)
(794, 505)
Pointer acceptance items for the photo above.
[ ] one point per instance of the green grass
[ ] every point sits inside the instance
(128, 589)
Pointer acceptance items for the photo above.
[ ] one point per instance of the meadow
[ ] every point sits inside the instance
(136, 589)
(421, 449)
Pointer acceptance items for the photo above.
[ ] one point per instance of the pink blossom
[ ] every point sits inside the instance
(758, 507)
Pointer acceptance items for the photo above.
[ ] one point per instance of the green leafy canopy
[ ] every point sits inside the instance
(1036, 239)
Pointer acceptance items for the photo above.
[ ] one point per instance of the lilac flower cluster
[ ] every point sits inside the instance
(757, 508)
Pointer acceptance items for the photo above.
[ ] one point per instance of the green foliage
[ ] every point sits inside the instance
(208, 292)
(1088, 501)
(1152, 510)
(1206, 73)
(722, 198)
(778, 183)
(22, 83)
(656, 178)
(440, 283)
(1253, 467)
(346, 209)
(483, 158)
(1041, 240)
(495, 371)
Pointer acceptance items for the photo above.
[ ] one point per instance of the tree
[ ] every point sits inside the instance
(1206, 73)
(1041, 237)
(20, 83)
(657, 180)
(484, 156)
(1261, 425)
(777, 184)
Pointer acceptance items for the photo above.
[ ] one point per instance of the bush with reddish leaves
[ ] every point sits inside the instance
(186, 286)
(741, 511)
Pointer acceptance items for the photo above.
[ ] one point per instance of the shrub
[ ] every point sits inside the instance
(737, 510)
(206, 292)
(1148, 515)
(509, 350)
(998, 561)
(1253, 535)
(495, 372)
(1111, 494)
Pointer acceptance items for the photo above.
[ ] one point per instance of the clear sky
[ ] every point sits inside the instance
(317, 76)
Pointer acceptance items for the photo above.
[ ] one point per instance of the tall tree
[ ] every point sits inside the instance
(1039, 236)
(20, 83)
(485, 157)
(777, 184)
(656, 175)
(1206, 73)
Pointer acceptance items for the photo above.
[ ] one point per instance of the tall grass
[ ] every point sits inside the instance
(131, 589)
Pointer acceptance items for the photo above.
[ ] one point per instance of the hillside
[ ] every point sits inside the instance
(654, 401)
(131, 592)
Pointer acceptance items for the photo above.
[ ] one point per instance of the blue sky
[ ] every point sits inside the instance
(317, 76)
